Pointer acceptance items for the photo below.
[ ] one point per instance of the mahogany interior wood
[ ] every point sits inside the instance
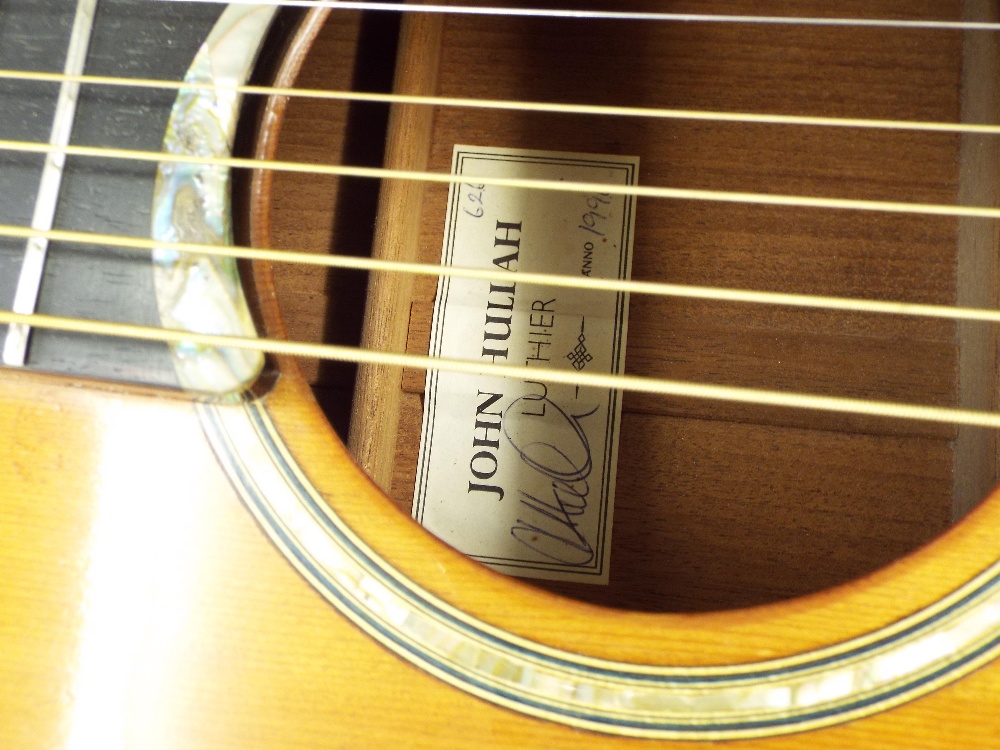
(718, 505)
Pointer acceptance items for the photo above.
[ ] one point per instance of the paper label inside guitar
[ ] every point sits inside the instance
(515, 472)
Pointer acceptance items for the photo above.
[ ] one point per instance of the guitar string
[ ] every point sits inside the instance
(658, 386)
(511, 104)
(609, 285)
(629, 286)
(606, 15)
(642, 191)
(664, 289)
(845, 304)
(672, 290)
(661, 386)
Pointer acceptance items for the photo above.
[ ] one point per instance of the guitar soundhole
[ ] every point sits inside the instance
(718, 505)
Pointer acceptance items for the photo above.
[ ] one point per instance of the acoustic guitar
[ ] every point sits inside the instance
(191, 555)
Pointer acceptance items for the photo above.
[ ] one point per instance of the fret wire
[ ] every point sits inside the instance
(652, 288)
(659, 386)
(606, 15)
(723, 196)
(29, 280)
(514, 105)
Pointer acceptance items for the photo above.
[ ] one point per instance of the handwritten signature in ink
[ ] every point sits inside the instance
(552, 442)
